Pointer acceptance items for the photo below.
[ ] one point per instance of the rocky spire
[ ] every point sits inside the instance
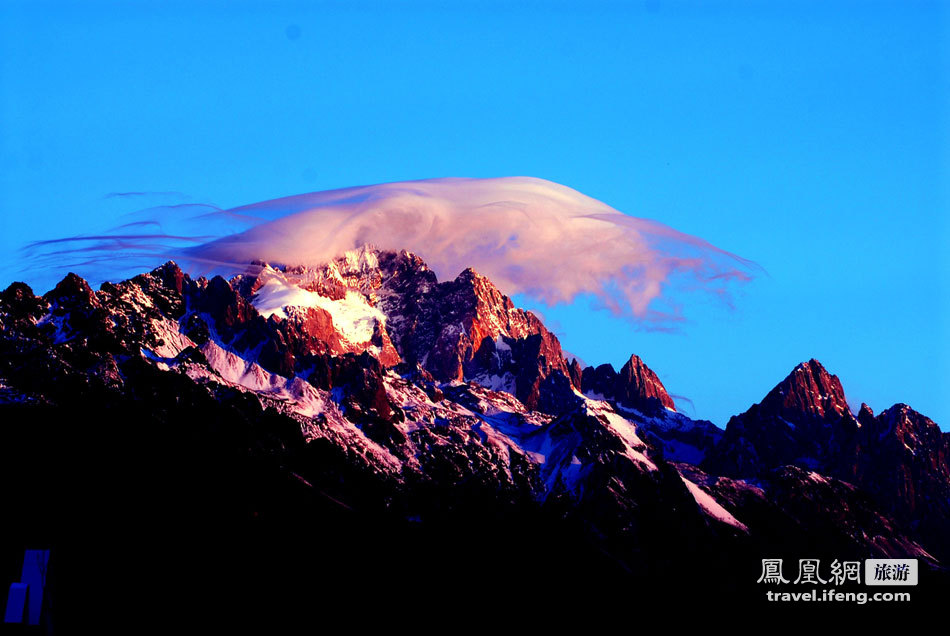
(810, 390)
(636, 386)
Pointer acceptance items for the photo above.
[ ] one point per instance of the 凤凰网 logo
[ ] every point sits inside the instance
(810, 571)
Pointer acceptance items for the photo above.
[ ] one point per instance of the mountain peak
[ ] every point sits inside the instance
(72, 288)
(16, 292)
(902, 417)
(638, 376)
(469, 273)
(635, 386)
(809, 389)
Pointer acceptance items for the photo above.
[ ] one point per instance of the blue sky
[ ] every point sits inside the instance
(808, 137)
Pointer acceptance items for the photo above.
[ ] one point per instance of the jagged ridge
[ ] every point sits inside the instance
(443, 396)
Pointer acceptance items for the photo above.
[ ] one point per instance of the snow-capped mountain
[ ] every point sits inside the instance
(366, 393)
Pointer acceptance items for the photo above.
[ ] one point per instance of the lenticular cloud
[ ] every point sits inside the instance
(528, 235)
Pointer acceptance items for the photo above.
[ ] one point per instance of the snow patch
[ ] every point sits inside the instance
(352, 315)
(711, 507)
(173, 341)
(624, 429)
(60, 327)
(503, 383)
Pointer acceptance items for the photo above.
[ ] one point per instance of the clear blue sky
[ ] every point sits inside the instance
(810, 137)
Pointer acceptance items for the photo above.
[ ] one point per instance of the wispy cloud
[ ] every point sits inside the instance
(528, 235)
